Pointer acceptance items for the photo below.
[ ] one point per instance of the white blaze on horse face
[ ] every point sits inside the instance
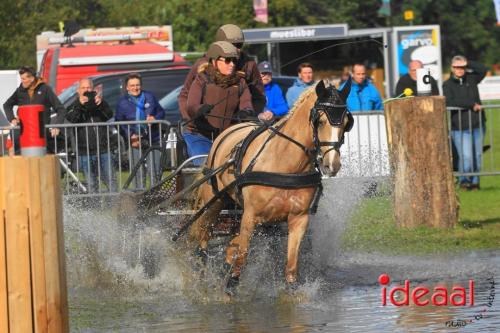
(330, 163)
(331, 160)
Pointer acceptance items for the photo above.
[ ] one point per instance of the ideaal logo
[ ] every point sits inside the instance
(481, 313)
(458, 296)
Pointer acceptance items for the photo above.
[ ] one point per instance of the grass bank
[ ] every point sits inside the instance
(372, 226)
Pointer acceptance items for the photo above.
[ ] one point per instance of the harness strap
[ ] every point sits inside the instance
(315, 202)
(280, 180)
(208, 174)
(301, 146)
(203, 209)
(224, 138)
(334, 144)
(213, 179)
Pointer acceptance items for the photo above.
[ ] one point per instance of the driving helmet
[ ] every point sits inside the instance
(230, 33)
(222, 49)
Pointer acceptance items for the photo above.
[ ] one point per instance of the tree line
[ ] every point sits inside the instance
(467, 27)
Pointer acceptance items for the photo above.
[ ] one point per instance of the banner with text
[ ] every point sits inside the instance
(417, 43)
(260, 7)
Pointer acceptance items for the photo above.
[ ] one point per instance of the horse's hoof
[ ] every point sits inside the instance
(231, 285)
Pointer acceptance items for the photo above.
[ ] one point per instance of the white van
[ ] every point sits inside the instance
(489, 88)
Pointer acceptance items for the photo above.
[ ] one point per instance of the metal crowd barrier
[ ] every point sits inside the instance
(365, 152)
(115, 162)
(491, 133)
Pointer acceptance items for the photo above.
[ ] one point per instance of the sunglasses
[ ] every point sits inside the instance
(238, 45)
(227, 61)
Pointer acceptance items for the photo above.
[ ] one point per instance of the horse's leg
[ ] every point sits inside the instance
(210, 218)
(297, 226)
(201, 230)
(237, 252)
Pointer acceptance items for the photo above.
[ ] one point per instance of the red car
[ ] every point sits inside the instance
(63, 66)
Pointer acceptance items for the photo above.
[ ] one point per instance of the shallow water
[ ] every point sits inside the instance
(109, 292)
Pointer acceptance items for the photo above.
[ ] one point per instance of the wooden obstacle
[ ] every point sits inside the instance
(33, 293)
(419, 151)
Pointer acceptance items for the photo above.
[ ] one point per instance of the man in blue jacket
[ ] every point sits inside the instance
(363, 96)
(276, 106)
(304, 81)
(140, 105)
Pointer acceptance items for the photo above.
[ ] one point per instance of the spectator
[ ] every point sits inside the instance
(140, 105)
(304, 81)
(276, 105)
(363, 95)
(215, 97)
(410, 80)
(34, 91)
(467, 118)
(246, 68)
(92, 142)
(345, 75)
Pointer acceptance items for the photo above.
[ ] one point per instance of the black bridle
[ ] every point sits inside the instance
(336, 111)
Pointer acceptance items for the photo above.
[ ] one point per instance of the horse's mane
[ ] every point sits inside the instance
(306, 94)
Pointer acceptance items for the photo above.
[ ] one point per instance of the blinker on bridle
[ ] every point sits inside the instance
(335, 113)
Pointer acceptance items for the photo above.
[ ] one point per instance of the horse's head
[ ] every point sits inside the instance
(330, 120)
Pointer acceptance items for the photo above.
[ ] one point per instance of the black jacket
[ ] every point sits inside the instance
(43, 94)
(463, 93)
(406, 81)
(97, 136)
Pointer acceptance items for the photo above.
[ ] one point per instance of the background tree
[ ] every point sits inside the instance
(467, 27)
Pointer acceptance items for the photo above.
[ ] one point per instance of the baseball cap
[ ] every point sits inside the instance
(265, 67)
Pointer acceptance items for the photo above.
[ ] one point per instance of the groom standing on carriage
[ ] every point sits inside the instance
(217, 98)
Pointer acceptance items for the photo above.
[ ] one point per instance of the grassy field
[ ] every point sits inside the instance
(372, 226)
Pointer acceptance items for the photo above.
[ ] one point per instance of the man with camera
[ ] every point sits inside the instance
(93, 150)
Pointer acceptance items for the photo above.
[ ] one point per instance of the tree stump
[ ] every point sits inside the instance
(420, 157)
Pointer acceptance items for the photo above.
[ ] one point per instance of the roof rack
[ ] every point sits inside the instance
(91, 39)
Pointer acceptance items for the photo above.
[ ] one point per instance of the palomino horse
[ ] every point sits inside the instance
(306, 140)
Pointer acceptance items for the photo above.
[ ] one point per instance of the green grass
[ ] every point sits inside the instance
(372, 226)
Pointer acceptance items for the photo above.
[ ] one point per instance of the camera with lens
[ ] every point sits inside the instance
(91, 96)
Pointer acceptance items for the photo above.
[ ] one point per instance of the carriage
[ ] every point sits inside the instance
(256, 173)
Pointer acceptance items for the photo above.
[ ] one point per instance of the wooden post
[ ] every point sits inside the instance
(424, 190)
(33, 292)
